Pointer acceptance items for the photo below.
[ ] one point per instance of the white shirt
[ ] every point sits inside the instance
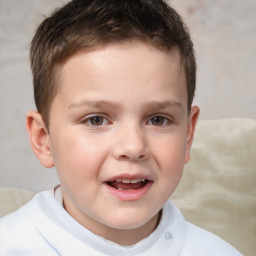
(43, 227)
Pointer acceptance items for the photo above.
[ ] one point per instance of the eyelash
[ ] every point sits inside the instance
(164, 121)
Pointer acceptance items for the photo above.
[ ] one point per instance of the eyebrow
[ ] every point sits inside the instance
(110, 104)
(94, 104)
(164, 104)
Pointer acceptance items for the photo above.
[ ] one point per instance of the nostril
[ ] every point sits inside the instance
(133, 157)
(124, 157)
(142, 157)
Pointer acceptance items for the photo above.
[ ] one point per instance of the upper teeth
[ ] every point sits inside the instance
(130, 181)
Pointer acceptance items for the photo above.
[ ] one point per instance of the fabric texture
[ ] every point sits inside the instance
(218, 188)
(43, 227)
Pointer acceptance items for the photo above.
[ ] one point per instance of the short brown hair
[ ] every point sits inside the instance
(84, 24)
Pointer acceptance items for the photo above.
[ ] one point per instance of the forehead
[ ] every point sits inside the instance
(131, 52)
(128, 64)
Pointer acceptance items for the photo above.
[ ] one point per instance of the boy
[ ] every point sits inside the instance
(113, 84)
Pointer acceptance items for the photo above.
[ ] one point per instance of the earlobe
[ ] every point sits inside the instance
(191, 130)
(39, 138)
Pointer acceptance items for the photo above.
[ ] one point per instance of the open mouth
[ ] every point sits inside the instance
(128, 185)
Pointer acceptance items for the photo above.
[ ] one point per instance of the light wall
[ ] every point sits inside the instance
(224, 33)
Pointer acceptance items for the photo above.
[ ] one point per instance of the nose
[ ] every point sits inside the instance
(131, 144)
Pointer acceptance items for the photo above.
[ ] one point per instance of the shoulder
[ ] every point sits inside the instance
(17, 229)
(19, 217)
(202, 242)
(26, 212)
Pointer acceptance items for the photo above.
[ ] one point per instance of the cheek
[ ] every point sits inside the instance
(170, 158)
(172, 167)
(77, 156)
(171, 151)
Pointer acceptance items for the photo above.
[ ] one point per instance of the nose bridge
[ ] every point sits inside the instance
(131, 142)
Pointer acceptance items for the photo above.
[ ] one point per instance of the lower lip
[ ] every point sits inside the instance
(130, 195)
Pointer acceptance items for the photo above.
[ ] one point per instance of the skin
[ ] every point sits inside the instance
(120, 111)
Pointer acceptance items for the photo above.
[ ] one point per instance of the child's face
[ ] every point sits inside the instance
(120, 135)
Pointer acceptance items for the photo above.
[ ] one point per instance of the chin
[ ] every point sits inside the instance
(129, 220)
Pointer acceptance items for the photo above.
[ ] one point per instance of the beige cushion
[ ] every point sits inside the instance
(218, 188)
(217, 191)
(11, 199)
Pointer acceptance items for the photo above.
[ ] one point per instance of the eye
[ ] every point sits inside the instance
(159, 121)
(95, 121)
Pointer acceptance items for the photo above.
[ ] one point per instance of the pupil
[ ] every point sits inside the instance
(157, 120)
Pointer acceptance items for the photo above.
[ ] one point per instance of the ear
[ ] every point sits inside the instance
(39, 138)
(192, 121)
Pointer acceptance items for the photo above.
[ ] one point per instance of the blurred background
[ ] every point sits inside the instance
(224, 34)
